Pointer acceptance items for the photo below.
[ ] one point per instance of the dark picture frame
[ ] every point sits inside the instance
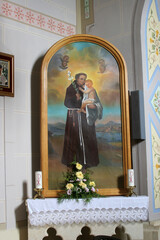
(6, 75)
(86, 53)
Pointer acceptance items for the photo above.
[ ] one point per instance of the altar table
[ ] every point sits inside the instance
(99, 213)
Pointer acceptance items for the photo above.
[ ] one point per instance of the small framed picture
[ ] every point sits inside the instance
(6, 75)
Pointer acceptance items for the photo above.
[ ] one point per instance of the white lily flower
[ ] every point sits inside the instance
(70, 78)
(69, 73)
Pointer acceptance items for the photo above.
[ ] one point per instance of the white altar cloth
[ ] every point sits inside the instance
(109, 209)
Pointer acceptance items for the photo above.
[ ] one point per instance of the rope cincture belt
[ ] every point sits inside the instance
(81, 139)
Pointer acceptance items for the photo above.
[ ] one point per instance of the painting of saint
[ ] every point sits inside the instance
(80, 136)
(84, 114)
(3, 73)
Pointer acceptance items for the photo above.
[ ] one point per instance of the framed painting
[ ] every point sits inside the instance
(6, 75)
(85, 114)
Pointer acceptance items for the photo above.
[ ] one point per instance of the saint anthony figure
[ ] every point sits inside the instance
(80, 141)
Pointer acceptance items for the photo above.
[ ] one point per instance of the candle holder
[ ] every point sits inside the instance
(130, 191)
(38, 193)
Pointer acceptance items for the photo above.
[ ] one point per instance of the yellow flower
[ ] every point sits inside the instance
(92, 184)
(151, 40)
(79, 175)
(78, 166)
(157, 32)
(69, 186)
(82, 184)
(157, 52)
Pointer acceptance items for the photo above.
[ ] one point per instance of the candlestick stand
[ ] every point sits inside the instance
(130, 191)
(38, 193)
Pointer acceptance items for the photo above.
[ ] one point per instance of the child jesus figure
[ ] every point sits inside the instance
(88, 97)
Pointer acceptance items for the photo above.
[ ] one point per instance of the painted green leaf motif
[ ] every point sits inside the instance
(153, 35)
(153, 47)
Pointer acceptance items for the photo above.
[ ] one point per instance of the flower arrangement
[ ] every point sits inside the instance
(78, 185)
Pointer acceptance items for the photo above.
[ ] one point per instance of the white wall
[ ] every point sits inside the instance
(20, 116)
(114, 22)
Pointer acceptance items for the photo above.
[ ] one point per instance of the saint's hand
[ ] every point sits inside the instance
(81, 89)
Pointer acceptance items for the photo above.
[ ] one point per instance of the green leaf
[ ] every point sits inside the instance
(153, 47)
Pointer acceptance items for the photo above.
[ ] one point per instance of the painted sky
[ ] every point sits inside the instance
(92, 59)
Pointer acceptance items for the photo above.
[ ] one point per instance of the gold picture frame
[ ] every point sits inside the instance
(83, 54)
(6, 75)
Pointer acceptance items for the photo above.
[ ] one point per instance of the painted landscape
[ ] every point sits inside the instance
(110, 154)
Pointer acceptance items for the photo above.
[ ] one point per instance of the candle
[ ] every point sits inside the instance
(130, 177)
(38, 179)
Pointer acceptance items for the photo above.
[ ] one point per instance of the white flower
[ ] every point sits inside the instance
(70, 78)
(69, 73)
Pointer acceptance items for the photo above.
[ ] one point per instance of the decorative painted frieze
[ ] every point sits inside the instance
(35, 19)
(153, 40)
(156, 165)
(156, 102)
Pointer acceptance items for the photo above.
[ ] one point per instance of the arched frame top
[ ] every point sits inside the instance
(124, 105)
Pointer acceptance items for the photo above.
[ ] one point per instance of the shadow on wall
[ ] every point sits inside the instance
(20, 211)
(35, 117)
(87, 235)
(21, 215)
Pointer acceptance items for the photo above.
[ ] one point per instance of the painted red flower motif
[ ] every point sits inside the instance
(30, 17)
(51, 24)
(19, 13)
(40, 21)
(7, 9)
(69, 30)
(60, 28)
